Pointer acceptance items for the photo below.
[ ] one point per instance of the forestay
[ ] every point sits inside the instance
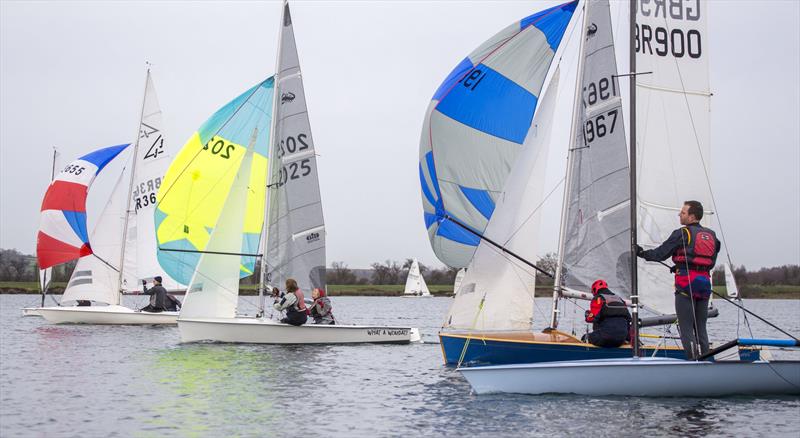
(296, 229)
(198, 181)
(497, 290)
(673, 130)
(597, 235)
(477, 121)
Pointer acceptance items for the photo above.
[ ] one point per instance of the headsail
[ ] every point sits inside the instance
(296, 229)
(199, 180)
(474, 127)
(597, 235)
(214, 289)
(498, 290)
(62, 230)
(673, 131)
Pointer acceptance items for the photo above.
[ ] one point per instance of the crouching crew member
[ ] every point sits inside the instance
(321, 310)
(293, 303)
(609, 317)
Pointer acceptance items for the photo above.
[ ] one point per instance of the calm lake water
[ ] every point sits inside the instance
(96, 381)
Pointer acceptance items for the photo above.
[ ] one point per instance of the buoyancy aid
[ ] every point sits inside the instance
(607, 305)
(300, 304)
(699, 249)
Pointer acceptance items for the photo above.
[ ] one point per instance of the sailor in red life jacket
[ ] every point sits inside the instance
(694, 250)
(321, 310)
(609, 317)
(293, 303)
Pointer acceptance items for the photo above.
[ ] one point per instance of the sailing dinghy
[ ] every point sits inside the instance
(683, 100)
(295, 231)
(485, 209)
(122, 249)
(415, 283)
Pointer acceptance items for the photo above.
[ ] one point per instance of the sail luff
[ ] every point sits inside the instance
(568, 177)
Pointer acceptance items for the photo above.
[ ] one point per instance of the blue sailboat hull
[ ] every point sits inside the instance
(494, 350)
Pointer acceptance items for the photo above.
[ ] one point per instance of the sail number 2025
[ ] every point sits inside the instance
(294, 170)
(218, 146)
(600, 126)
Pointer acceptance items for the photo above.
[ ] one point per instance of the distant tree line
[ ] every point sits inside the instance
(15, 266)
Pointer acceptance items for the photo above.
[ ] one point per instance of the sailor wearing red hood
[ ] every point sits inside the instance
(321, 309)
(293, 303)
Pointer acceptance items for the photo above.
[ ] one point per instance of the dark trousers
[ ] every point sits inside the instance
(611, 333)
(295, 318)
(692, 316)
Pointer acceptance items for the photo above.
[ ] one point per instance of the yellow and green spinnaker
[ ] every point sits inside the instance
(198, 181)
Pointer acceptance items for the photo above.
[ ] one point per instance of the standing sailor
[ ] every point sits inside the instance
(609, 316)
(694, 250)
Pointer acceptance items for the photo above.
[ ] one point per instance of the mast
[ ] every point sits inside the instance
(130, 187)
(568, 176)
(273, 124)
(52, 177)
(632, 166)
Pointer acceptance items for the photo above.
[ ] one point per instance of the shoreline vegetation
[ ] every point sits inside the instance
(394, 290)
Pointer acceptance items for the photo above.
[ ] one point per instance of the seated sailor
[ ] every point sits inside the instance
(609, 316)
(321, 310)
(160, 301)
(293, 303)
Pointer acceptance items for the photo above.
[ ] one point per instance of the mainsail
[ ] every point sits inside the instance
(296, 229)
(475, 125)
(597, 223)
(199, 180)
(62, 233)
(415, 282)
(672, 131)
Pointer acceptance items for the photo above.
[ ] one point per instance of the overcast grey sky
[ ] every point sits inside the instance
(72, 74)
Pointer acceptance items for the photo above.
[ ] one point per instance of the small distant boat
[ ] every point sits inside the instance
(122, 248)
(294, 229)
(415, 283)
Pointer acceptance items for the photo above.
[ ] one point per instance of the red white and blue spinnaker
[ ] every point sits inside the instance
(62, 231)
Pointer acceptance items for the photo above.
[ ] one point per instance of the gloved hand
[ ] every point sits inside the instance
(639, 251)
(144, 282)
(276, 306)
(673, 269)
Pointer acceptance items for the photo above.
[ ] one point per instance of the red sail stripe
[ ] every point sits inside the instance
(51, 252)
(63, 195)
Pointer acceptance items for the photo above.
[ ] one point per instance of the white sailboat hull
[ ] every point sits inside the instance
(418, 296)
(646, 377)
(104, 315)
(261, 331)
(31, 311)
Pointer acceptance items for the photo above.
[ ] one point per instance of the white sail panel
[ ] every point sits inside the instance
(214, 289)
(475, 125)
(730, 282)
(597, 235)
(497, 290)
(296, 228)
(96, 277)
(672, 132)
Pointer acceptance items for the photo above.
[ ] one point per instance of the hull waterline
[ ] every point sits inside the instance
(260, 331)
(111, 315)
(645, 377)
